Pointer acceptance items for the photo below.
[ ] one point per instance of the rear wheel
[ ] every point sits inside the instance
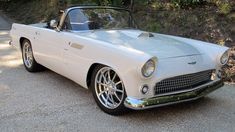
(27, 54)
(108, 90)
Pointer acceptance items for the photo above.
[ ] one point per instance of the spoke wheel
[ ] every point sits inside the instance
(108, 90)
(27, 55)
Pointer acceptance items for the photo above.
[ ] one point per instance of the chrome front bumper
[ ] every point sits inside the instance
(200, 91)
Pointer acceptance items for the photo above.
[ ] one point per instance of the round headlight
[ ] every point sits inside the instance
(148, 68)
(224, 58)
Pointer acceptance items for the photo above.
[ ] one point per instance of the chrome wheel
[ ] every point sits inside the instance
(27, 55)
(109, 88)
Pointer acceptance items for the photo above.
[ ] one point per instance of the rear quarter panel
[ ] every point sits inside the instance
(20, 30)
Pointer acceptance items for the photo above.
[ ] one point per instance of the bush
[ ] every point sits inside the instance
(187, 3)
(224, 8)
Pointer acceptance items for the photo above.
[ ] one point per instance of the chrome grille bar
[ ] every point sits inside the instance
(183, 82)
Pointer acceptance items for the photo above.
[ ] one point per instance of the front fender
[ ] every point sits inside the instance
(213, 51)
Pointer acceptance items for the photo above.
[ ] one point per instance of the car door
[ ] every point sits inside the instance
(49, 47)
(76, 50)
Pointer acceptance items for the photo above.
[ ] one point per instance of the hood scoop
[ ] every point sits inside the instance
(145, 35)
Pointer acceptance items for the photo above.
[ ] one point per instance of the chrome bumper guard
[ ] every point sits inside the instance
(200, 91)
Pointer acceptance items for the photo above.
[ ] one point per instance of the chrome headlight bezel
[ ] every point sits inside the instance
(148, 68)
(224, 58)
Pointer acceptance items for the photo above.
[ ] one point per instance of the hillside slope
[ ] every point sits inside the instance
(212, 22)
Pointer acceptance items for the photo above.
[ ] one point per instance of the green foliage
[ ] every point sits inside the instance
(224, 8)
(97, 2)
(186, 3)
(82, 2)
(154, 27)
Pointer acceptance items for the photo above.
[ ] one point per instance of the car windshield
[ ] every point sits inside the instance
(99, 18)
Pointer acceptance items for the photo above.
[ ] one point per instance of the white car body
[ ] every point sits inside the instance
(72, 54)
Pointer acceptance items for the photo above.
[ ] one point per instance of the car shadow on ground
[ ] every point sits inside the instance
(57, 82)
(176, 109)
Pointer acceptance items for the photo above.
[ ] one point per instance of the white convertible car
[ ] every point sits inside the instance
(100, 48)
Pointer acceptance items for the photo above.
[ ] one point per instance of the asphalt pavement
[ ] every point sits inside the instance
(46, 101)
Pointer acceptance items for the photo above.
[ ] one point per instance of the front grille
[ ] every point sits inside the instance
(183, 82)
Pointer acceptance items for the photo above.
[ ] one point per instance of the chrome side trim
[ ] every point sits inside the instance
(77, 46)
(139, 104)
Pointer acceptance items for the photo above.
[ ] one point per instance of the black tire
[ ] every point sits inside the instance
(33, 66)
(120, 109)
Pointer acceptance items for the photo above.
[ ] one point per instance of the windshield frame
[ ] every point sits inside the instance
(67, 11)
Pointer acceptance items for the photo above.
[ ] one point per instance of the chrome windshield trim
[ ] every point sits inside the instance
(94, 7)
(65, 13)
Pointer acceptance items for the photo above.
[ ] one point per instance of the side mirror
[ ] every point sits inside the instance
(53, 24)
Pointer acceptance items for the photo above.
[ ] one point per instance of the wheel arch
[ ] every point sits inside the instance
(92, 68)
(21, 40)
(89, 73)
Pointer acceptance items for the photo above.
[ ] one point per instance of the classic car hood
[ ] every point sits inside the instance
(159, 45)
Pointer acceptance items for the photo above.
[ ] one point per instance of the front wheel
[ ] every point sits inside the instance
(108, 90)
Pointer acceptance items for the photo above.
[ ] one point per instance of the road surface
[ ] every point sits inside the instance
(46, 101)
